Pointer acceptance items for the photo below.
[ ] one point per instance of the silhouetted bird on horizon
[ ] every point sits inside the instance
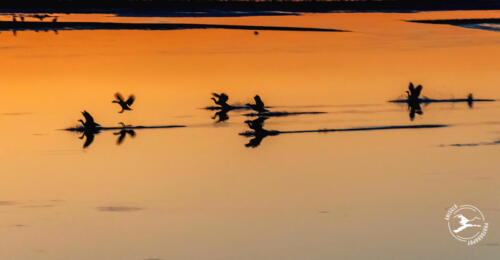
(470, 100)
(258, 106)
(90, 129)
(14, 19)
(89, 122)
(258, 133)
(413, 95)
(124, 104)
(54, 20)
(41, 17)
(22, 18)
(257, 124)
(256, 33)
(221, 100)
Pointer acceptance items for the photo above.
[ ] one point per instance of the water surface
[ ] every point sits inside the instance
(198, 192)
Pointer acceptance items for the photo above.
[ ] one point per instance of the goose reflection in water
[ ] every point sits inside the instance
(124, 132)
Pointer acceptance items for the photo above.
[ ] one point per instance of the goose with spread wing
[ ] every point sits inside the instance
(125, 104)
(258, 106)
(89, 122)
(221, 100)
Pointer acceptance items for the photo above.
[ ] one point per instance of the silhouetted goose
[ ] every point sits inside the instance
(258, 106)
(470, 100)
(41, 17)
(221, 100)
(89, 122)
(124, 104)
(54, 20)
(257, 124)
(258, 133)
(414, 93)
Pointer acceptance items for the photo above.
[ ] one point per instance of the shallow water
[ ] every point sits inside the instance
(198, 192)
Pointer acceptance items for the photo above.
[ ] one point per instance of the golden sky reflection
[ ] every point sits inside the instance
(199, 189)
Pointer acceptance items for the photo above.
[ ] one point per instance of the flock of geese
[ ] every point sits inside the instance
(89, 127)
(41, 17)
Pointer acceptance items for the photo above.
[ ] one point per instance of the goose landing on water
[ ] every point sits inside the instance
(90, 129)
(124, 104)
(221, 100)
(258, 106)
(89, 122)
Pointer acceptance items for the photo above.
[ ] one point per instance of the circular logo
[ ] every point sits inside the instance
(466, 223)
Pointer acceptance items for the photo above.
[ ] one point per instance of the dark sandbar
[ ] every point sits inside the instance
(41, 26)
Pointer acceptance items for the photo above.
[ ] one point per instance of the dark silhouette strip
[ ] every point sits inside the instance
(278, 114)
(482, 24)
(81, 128)
(458, 21)
(10, 25)
(375, 128)
(451, 100)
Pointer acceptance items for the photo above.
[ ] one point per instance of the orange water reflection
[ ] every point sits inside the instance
(199, 192)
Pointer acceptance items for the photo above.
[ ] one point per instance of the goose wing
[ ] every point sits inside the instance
(223, 97)
(258, 101)
(119, 97)
(89, 118)
(130, 100)
(418, 90)
(411, 87)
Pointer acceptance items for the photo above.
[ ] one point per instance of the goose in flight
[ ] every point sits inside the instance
(258, 106)
(89, 122)
(124, 104)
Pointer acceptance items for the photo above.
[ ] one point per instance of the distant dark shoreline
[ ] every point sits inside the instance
(459, 21)
(490, 24)
(50, 26)
(228, 8)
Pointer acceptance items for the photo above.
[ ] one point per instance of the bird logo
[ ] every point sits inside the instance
(466, 223)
